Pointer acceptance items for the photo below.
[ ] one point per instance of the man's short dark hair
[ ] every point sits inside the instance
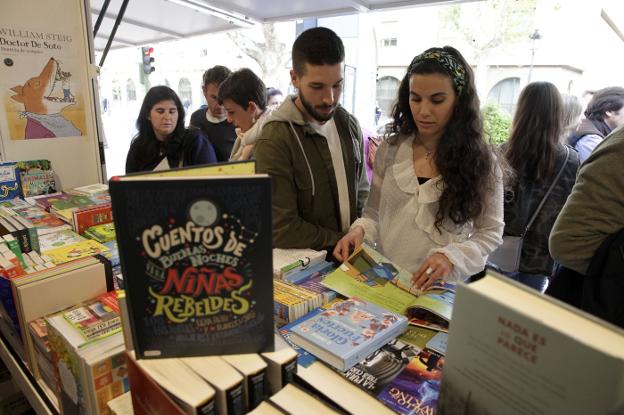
(216, 74)
(606, 99)
(243, 86)
(317, 46)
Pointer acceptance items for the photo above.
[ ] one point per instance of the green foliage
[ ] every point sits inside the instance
(496, 124)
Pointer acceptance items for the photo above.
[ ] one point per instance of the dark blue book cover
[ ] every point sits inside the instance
(196, 259)
(416, 389)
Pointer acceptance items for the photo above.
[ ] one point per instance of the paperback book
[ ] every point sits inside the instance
(348, 332)
(9, 180)
(196, 259)
(36, 177)
(375, 372)
(368, 275)
(515, 351)
(416, 389)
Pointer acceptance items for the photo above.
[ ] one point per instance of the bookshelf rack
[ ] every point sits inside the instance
(25, 381)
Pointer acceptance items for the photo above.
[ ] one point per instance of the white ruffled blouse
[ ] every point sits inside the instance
(399, 217)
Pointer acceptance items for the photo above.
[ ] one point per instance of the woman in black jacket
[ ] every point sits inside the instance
(536, 153)
(162, 141)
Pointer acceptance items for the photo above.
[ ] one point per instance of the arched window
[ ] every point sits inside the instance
(130, 90)
(185, 92)
(387, 89)
(505, 94)
(116, 91)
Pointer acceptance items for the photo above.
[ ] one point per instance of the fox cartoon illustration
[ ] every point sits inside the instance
(41, 110)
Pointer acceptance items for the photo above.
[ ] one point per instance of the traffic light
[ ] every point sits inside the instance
(148, 60)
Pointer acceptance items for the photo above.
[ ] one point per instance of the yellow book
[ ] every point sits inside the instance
(218, 169)
(76, 250)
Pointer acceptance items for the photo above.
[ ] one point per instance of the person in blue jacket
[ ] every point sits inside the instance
(604, 113)
(162, 141)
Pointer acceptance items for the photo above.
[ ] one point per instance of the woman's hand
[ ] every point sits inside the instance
(353, 239)
(436, 267)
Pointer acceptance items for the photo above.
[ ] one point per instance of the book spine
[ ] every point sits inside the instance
(235, 400)
(256, 389)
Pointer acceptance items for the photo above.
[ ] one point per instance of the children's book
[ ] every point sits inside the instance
(368, 275)
(96, 318)
(86, 217)
(304, 358)
(84, 248)
(36, 177)
(102, 233)
(347, 332)
(43, 221)
(89, 190)
(196, 259)
(45, 201)
(416, 389)
(9, 181)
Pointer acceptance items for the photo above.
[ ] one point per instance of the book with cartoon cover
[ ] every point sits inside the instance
(347, 332)
(196, 259)
(369, 275)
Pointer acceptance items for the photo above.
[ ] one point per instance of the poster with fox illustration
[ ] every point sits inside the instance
(41, 97)
(43, 89)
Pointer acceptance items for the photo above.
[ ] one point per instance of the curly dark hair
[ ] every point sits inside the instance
(463, 157)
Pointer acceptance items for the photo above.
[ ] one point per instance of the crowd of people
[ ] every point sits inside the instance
(443, 202)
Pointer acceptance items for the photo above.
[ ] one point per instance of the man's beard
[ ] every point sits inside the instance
(315, 114)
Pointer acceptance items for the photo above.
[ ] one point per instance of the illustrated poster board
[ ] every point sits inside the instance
(46, 88)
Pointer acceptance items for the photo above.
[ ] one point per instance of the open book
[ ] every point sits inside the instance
(369, 275)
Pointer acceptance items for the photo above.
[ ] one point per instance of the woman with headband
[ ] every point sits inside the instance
(436, 201)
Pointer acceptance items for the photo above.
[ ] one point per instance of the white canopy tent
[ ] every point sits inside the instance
(151, 21)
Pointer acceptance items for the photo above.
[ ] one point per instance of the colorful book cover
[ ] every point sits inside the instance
(71, 202)
(304, 358)
(348, 331)
(81, 249)
(36, 177)
(416, 389)
(113, 252)
(196, 260)
(39, 217)
(366, 274)
(57, 239)
(46, 201)
(9, 181)
(96, 318)
(102, 233)
(83, 218)
(109, 379)
(375, 372)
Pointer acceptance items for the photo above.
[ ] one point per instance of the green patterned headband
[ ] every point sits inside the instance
(455, 69)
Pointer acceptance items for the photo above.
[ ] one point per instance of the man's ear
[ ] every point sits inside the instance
(294, 78)
(252, 107)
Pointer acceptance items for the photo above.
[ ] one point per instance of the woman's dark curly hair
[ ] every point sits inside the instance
(463, 157)
(145, 138)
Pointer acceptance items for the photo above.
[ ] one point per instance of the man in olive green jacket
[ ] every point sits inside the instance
(312, 149)
(595, 208)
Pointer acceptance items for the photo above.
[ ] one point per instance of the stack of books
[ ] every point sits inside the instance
(198, 285)
(88, 354)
